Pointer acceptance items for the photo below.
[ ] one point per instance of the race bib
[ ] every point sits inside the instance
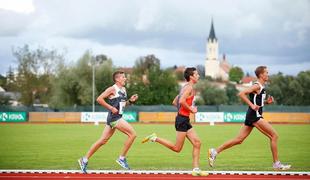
(122, 105)
(263, 99)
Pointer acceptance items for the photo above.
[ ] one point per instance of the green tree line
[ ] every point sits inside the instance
(43, 77)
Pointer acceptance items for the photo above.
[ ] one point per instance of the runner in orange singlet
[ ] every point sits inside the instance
(184, 103)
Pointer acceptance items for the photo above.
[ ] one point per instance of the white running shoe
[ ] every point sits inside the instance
(198, 172)
(212, 156)
(278, 166)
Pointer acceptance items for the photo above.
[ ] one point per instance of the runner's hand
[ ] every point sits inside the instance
(270, 100)
(193, 109)
(134, 98)
(255, 107)
(114, 110)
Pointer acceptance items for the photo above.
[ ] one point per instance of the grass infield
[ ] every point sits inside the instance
(58, 146)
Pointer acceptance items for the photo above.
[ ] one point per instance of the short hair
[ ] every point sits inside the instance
(260, 70)
(116, 73)
(189, 72)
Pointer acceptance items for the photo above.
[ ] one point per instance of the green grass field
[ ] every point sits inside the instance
(58, 146)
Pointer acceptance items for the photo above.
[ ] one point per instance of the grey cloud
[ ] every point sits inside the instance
(275, 32)
(12, 23)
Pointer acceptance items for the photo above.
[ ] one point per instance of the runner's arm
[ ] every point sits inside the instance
(104, 95)
(174, 102)
(243, 95)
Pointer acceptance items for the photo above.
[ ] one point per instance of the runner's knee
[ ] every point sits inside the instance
(274, 137)
(239, 140)
(197, 143)
(103, 141)
(132, 135)
(177, 149)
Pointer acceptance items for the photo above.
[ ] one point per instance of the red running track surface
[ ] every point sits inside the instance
(57, 176)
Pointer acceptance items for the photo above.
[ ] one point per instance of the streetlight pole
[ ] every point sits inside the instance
(93, 66)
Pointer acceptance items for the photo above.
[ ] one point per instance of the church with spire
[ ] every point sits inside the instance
(214, 67)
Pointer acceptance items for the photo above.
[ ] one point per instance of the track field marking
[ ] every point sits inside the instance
(283, 173)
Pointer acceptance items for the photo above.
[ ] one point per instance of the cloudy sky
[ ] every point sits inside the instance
(275, 33)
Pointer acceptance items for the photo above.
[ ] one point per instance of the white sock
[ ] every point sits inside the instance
(196, 169)
(84, 159)
(122, 157)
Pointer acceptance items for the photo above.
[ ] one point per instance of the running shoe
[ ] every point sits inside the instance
(123, 163)
(212, 156)
(151, 138)
(278, 166)
(83, 165)
(198, 172)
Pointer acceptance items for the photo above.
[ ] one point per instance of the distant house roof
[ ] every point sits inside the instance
(180, 69)
(127, 70)
(247, 79)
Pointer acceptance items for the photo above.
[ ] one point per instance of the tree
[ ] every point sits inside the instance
(289, 90)
(73, 84)
(10, 81)
(154, 85)
(65, 88)
(34, 71)
(4, 100)
(295, 93)
(144, 64)
(231, 93)
(104, 72)
(210, 94)
(303, 79)
(2, 81)
(236, 74)
(275, 87)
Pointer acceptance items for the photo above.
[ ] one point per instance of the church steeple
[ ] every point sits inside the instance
(212, 65)
(212, 36)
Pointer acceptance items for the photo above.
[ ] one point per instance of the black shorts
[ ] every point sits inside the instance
(252, 117)
(182, 123)
(112, 118)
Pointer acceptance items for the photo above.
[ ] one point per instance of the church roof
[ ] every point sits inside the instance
(212, 32)
(225, 66)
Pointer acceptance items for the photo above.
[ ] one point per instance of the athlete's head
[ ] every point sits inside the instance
(261, 72)
(191, 73)
(119, 77)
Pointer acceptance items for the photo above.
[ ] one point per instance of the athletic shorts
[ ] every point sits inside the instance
(252, 117)
(182, 123)
(113, 123)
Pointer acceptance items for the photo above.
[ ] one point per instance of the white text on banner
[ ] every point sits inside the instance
(94, 116)
(209, 117)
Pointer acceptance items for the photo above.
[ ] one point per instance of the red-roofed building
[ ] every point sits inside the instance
(248, 80)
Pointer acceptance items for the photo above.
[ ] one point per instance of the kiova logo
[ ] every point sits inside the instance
(234, 116)
(4, 116)
(229, 117)
(12, 116)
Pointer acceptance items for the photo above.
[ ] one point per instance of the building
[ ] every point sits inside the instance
(215, 68)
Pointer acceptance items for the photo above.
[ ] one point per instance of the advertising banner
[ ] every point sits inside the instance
(130, 116)
(209, 117)
(234, 117)
(94, 116)
(13, 117)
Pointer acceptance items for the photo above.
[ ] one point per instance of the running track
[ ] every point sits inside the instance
(148, 175)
